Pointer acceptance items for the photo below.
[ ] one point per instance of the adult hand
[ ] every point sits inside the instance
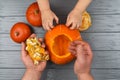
(84, 56)
(28, 61)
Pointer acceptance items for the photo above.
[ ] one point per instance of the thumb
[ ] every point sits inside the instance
(56, 19)
(80, 52)
(23, 51)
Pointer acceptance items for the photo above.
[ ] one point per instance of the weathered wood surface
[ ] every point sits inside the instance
(60, 74)
(18, 7)
(103, 36)
(98, 41)
(102, 59)
(100, 23)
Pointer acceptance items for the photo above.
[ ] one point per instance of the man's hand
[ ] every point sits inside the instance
(33, 72)
(83, 62)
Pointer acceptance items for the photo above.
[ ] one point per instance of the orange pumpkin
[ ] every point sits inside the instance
(33, 15)
(58, 40)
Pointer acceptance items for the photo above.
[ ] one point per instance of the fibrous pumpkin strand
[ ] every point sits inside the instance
(36, 52)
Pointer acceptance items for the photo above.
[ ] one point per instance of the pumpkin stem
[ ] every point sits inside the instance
(36, 12)
(16, 33)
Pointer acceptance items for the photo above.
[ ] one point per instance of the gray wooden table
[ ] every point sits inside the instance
(103, 36)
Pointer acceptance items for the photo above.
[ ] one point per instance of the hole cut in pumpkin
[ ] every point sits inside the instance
(58, 40)
(61, 42)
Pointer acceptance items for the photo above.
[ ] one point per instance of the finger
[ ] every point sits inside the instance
(46, 52)
(73, 26)
(69, 22)
(56, 19)
(44, 27)
(72, 51)
(51, 24)
(40, 39)
(47, 27)
(33, 35)
(43, 45)
(88, 49)
(79, 51)
(76, 42)
(23, 51)
(72, 47)
(42, 64)
(72, 44)
(42, 42)
(78, 25)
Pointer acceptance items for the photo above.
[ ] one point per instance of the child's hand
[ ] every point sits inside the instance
(28, 61)
(84, 56)
(74, 19)
(47, 19)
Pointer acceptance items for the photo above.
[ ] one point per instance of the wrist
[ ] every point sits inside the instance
(85, 76)
(78, 10)
(31, 74)
(45, 11)
(33, 71)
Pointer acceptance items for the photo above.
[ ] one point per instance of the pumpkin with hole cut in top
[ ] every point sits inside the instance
(20, 32)
(33, 15)
(57, 41)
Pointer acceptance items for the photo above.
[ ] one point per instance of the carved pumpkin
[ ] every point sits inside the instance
(58, 40)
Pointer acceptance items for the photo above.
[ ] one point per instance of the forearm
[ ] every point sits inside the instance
(43, 4)
(85, 77)
(82, 5)
(31, 75)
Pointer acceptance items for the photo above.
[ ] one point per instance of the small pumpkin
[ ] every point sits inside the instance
(86, 21)
(20, 32)
(33, 15)
(58, 40)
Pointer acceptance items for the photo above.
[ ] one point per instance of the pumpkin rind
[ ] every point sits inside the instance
(50, 36)
(86, 21)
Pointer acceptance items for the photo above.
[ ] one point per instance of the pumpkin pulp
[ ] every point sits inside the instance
(60, 44)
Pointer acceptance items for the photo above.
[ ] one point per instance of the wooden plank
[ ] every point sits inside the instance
(98, 41)
(100, 23)
(102, 59)
(18, 7)
(61, 74)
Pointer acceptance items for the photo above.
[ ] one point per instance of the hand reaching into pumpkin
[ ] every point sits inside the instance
(83, 62)
(33, 72)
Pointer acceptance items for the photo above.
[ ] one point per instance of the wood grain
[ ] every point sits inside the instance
(18, 8)
(59, 74)
(100, 24)
(102, 59)
(98, 41)
(103, 36)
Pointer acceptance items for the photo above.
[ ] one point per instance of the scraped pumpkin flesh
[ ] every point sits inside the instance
(36, 51)
(61, 42)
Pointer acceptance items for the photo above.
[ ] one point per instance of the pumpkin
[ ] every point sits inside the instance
(57, 41)
(20, 32)
(86, 21)
(33, 15)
